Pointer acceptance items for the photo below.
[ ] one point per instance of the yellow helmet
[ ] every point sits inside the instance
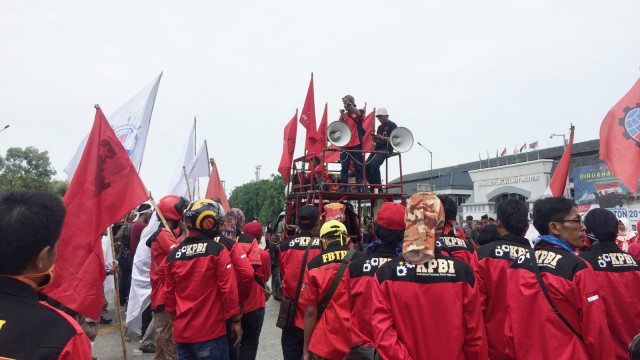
(334, 228)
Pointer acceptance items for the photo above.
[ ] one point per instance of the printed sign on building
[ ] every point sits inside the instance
(595, 184)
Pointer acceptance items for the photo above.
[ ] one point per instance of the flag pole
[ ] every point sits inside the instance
(186, 179)
(117, 298)
(526, 148)
(538, 149)
(206, 148)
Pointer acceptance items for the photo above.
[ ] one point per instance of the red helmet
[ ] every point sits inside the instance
(172, 206)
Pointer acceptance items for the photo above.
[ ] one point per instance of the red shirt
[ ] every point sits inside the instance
(618, 277)
(532, 329)
(160, 248)
(291, 255)
(494, 259)
(201, 289)
(134, 236)
(361, 285)
(333, 326)
(429, 311)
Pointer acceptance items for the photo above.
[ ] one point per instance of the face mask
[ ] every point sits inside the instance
(27, 279)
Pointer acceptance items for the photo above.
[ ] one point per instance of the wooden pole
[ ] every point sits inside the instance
(117, 300)
(186, 179)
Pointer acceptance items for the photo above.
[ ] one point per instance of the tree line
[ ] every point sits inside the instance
(262, 199)
(29, 169)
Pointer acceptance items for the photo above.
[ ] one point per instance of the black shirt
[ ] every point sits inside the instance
(385, 130)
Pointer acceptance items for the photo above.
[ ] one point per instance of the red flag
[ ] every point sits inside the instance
(308, 119)
(620, 139)
(559, 179)
(288, 147)
(369, 124)
(504, 152)
(523, 147)
(533, 145)
(215, 191)
(321, 140)
(105, 187)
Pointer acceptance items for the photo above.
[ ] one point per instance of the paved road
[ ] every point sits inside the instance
(108, 344)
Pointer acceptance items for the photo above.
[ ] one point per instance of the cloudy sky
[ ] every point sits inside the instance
(466, 77)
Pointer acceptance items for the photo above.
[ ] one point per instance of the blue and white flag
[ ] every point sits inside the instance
(130, 122)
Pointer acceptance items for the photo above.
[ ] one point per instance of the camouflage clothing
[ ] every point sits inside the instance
(424, 221)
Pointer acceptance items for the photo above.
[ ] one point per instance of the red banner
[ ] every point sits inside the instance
(215, 190)
(288, 147)
(105, 187)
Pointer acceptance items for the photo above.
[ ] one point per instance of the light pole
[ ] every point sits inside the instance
(564, 139)
(6, 126)
(431, 157)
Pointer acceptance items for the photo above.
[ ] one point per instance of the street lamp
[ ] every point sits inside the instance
(564, 139)
(431, 157)
(6, 126)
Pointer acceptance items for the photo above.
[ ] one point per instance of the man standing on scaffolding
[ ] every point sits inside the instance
(353, 117)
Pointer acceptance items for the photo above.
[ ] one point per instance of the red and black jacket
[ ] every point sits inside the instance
(428, 311)
(291, 255)
(201, 288)
(494, 259)
(32, 329)
(333, 326)
(618, 276)
(161, 244)
(459, 248)
(361, 285)
(245, 274)
(533, 330)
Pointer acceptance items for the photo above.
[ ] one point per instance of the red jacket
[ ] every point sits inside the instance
(333, 326)
(201, 289)
(429, 311)
(243, 269)
(361, 285)
(162, 242)
(291, 255)
(493, 261)
(618, 276)
(250, 247)
(533, 330)
(458, 248)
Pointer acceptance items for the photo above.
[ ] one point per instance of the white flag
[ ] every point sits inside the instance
(178, 184)
(130, 122)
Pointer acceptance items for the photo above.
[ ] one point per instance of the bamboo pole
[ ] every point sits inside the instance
(186, 179)
(117, 299)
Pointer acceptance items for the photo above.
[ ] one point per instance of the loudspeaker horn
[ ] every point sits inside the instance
(401, 139)
(338, 133)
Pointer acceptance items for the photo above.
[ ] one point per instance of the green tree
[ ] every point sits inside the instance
(262, 199)
(28, 169)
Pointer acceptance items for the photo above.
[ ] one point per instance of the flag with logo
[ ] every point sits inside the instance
(620, 139)
(215, 190)
(130, 122)
(288, 147)
(105, 188)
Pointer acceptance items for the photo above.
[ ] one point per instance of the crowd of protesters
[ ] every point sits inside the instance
(423, 288)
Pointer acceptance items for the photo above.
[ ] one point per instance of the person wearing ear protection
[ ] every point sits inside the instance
(201, 291)
(30, 226)
(327, 334)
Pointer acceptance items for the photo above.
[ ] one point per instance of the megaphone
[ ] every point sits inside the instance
(401, 139)
(338, 133)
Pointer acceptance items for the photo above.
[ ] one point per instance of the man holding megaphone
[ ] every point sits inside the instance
(381, 140)
(353, 117)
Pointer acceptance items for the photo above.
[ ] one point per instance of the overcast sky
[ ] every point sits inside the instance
(466, 77)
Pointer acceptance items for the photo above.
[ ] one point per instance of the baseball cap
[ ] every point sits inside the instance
(308, 214)
(381, 111)
(391, 216)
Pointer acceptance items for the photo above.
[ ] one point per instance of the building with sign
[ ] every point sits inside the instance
(479, 186)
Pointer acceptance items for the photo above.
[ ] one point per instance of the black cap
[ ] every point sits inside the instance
(308, 215)
(601, 225)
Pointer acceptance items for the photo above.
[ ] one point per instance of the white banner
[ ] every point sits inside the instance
(130, 122)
